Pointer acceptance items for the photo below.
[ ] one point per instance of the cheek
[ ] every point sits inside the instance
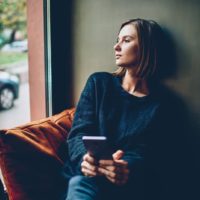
(133, 53)
(135, 50)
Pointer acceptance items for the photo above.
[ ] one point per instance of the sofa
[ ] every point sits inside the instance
(32, 158)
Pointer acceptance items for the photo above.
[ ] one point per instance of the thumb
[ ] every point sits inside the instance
(117, 155)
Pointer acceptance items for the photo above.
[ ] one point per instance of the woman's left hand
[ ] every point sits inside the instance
(115, 170)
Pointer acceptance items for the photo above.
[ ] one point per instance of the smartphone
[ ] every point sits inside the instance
(98, 147)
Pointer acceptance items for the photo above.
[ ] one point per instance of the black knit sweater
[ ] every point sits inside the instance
(106, 109)
(152, 130)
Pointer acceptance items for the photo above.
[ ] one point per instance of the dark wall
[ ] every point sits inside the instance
(96, 25)
(83, 35)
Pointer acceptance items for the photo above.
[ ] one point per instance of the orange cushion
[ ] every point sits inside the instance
(32, 158)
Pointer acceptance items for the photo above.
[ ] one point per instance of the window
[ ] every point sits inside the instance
(14, 81)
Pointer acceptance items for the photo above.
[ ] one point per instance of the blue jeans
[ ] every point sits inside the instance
(82, 188)
(99, 188)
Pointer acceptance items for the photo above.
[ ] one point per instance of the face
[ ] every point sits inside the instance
(127, 47)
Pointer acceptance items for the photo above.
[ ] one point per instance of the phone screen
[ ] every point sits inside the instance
(97, 146)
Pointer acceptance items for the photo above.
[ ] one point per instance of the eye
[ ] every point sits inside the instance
(127, 40)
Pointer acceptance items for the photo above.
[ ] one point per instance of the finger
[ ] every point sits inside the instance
(124, 172)
(87, 157)
(111, 168)
(111, 179)
(106, 162)
(119, 180)
(88, 172)
(117, 155)
(116, 181)
(113, 162)
(118, 169)
(118, 174)
(87, 165)
(121, 163)
(107, 173)
(114, 168)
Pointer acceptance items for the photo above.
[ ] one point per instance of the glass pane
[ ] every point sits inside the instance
(14, 85)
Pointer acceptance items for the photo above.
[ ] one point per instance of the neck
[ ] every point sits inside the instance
(133, 85)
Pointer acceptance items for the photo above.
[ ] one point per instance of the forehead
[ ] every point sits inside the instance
(129, 29)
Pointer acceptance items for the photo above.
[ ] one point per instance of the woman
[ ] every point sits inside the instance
(125, 107)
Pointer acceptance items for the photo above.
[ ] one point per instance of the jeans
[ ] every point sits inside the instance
(99, 188)
(82, 188)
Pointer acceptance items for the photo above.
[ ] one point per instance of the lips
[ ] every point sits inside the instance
(117, 56)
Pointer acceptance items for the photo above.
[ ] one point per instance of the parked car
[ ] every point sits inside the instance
(9, 90)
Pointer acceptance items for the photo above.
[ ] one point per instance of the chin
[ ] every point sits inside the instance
(126, 65)
(120, 64)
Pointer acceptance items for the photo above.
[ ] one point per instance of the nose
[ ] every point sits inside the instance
(117, 47)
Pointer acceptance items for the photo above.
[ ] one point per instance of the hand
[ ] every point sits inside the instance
(88, 166)
(115, 170)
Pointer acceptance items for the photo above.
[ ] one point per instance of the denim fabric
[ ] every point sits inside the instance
(82, 188)
(99, 188)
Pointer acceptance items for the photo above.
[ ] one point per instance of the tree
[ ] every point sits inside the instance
(13, 15)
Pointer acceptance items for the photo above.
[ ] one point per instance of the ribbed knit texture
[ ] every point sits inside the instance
(106, 109)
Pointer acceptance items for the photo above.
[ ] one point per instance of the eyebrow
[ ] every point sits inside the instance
(124, 36)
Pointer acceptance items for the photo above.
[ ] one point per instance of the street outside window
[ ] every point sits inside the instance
(14, 82)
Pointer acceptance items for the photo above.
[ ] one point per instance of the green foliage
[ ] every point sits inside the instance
(13, 14)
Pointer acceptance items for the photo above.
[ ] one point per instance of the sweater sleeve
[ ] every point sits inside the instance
(135, 162)
(84, 123)
(135, 157)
